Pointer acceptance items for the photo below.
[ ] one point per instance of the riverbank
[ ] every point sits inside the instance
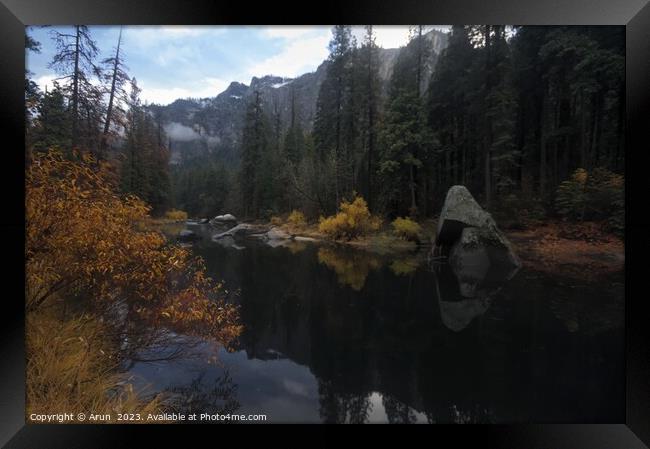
(581, 251)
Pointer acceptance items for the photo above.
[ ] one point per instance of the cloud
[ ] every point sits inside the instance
(181, 133)
(206, 87)
(146, 36)
(297, 57)
(46, 81)
(296, 388)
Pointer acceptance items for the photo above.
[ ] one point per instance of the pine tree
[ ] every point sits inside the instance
(332, 109)
(255, 143)
(51, 127)
(368, 109)
(406, 140)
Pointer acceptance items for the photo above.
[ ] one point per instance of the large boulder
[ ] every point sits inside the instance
(460, 211)
(480, 257)
(471, 238)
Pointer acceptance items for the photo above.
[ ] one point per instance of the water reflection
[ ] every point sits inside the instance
(405, 266)
(351, 266)
(216, 396)
(333, 335)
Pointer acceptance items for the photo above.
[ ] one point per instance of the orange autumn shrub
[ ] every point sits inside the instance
(83, 238)
(177, 215)
(352, 221)
(296, 220)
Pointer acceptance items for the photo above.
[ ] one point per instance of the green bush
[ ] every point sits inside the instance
(595, 196)
(518, 211)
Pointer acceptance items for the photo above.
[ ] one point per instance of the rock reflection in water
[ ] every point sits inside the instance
(464, 290)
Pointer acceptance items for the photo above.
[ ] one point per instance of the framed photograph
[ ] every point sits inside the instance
(233, 216)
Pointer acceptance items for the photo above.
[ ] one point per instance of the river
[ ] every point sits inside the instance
(334, 334)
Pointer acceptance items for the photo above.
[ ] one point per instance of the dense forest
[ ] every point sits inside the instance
(509, 112)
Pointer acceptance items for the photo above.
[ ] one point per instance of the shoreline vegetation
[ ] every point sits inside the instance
(578, 250)
(101, 287)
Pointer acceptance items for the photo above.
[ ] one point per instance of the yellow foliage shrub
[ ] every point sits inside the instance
(276, 221)
(406, 228)
(296, 219)
(174, 214)
(83, 238)
(353, 220)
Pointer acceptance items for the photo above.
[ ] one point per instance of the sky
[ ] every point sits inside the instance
(171, 62)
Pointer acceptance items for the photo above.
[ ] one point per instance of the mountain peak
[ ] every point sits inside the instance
(268, 81)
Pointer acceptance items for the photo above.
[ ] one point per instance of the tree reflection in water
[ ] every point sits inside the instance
(351, 268)
(219, 396)
(378, 340)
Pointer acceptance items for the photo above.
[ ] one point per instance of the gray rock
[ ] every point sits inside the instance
(276, 233)
(226, 218)
(471, 236)
(460, 211)
(241, 230)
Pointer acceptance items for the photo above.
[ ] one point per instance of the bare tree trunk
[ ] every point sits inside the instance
(111, 97)
(75, 90)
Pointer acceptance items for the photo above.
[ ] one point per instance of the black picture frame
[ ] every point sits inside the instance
(633, 14)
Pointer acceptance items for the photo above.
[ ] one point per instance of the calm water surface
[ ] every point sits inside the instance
(334, 334)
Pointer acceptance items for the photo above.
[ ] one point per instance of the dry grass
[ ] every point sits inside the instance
(70, 369)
